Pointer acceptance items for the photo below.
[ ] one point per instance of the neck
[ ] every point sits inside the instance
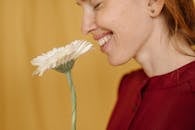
(159, 55)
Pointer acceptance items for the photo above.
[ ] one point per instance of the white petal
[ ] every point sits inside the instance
(58, 56)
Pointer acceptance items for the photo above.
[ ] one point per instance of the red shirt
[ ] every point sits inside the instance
(165, 102)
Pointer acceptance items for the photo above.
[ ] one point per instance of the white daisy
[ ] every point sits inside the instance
(61, 58)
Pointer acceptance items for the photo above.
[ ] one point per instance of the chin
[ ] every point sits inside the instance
(117, 62)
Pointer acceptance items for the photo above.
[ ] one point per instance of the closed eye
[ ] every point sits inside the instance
(97, 6)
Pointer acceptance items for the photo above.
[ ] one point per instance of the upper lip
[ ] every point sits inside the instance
(99, 36)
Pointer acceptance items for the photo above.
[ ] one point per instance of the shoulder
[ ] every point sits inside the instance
(134, 79)
(136, 74)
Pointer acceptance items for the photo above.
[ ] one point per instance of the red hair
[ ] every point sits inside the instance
(180, 18)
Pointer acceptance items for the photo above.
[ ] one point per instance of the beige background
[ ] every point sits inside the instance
(30, 27)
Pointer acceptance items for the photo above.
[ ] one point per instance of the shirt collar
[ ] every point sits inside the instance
(174, 78)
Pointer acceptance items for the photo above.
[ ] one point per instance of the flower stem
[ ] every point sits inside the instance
(73, 98)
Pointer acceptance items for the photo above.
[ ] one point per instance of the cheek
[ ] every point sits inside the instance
(112, 15)
(119, 18)
(135, 27)
(105, 19)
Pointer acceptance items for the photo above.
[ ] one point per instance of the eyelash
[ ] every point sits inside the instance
(97, 6)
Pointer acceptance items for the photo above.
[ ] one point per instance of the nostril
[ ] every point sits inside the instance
(88, 25)
(86, 29)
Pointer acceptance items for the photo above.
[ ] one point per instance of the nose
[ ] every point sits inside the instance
(88, 22)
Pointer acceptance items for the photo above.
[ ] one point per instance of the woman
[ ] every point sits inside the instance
(158, 34)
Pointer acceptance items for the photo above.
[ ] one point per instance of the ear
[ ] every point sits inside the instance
(155, 7)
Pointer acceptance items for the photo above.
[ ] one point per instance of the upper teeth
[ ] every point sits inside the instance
(103, 40)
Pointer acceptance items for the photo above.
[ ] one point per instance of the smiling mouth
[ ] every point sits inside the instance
(102, 41)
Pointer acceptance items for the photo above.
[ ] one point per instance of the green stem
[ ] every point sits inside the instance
(73, 98)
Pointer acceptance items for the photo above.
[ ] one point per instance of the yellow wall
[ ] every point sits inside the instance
(30, 27)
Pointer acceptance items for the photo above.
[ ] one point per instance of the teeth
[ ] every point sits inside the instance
(103, 40)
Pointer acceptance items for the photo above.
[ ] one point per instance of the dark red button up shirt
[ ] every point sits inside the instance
(165, 102)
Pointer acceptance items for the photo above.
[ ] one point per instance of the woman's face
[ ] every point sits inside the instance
(121, 27)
